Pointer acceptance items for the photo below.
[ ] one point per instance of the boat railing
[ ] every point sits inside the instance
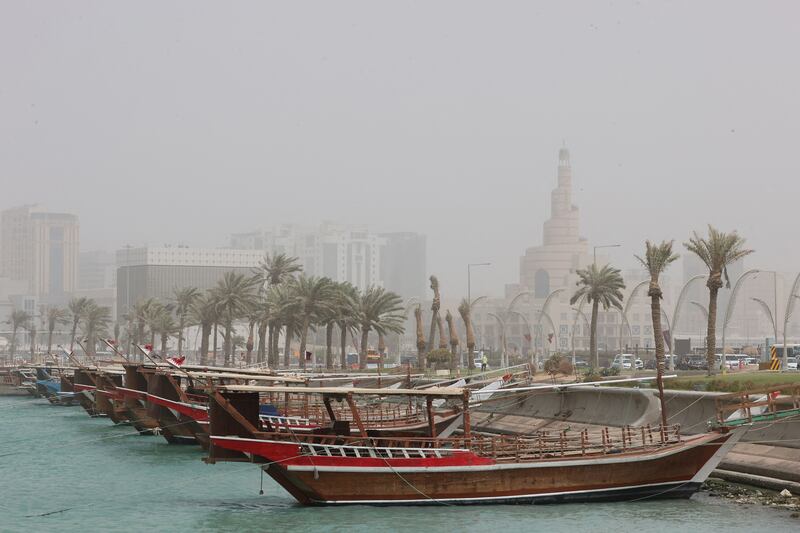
(757, 402)
(546, 444)
(510, 448)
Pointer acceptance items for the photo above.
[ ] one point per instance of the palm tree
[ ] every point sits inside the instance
(337, 309)
(599, 286)
(260, 317)
(420, 338)
(717, 252)
(435, 305)
(656, 259)
(273, 271)
(379, 310)
(235, 297)
(313, 297)
(183, 299)
(465, 310)
(76, 308)
(203, 311)
(31, 327)
(451, 327)
(54, 317)
(153, 315)
(284, 315)
(278, 268)
(94, 323)
(346, 303)
(164, 325)
(18, 319)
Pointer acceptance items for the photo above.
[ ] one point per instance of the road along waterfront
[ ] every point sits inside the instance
(61, 470)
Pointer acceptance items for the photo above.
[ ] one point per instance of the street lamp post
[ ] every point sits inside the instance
(786, 316)
(542, 314)
(527, 325)
(729, 312)
(469, 278)
(676, 316)
(578, 313)
(594, 250)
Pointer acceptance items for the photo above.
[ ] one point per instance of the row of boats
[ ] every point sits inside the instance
(390, 439)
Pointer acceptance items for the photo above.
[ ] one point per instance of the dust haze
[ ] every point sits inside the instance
(184, 122)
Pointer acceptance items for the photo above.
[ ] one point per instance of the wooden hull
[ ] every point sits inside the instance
(135, 405)
(464, 478)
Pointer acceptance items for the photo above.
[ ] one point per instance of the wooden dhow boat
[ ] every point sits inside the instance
(329, 467)
(17, 381)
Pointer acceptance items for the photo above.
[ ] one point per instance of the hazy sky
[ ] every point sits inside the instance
(185, 121)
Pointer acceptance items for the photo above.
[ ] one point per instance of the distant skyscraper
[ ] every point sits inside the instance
(40, 248)
(96, 270)
(342, 253)
(404, 267)
(546, 267)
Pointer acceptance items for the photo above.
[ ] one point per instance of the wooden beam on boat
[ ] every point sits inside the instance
(236, 375)
(467, 422)
(431, 419)
(436, 392)
(327, 401)
(356, 416)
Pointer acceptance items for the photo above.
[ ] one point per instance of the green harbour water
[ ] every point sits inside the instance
(63, 471)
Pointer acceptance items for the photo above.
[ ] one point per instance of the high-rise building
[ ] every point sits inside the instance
(97, 269)
(404, 263)
(40, 248)
(342, 253)
(156, 272)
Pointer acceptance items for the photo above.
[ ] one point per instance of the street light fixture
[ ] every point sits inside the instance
(594, 250)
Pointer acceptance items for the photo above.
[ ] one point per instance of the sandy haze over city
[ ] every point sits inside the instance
(183, 122)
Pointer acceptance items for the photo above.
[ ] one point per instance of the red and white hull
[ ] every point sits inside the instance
(317, 474)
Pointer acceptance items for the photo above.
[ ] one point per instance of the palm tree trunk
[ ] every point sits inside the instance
(593, 335)
(362, 356)
(164, 338)
(204, 334)
(274, 340)
(33, 344)
(74, 329)
(249, 343)
(440, 331)
(13, 348)
(655, 310)
(303, 339)
(49, 339)
(287, 346)
(343, 345)
(181, 325)
(432, 332)
(228, 338)
(262, 342)
(216, 334)
(329, 345)
(711, 337)
(381, 350)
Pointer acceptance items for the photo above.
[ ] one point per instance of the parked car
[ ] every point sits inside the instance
(581, 363)
(627, 361)
(694, 362)
(791, 363)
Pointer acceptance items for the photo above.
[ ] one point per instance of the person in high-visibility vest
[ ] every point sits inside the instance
(484, 363)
